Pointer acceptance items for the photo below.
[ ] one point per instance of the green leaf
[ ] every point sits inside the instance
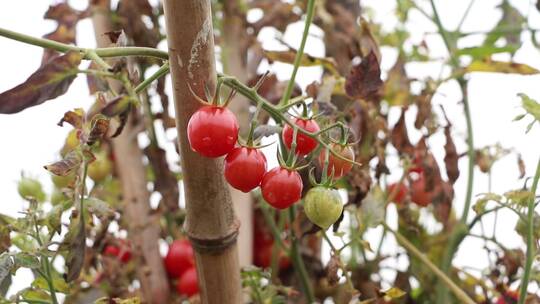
(35, 294)
(59, 284)
(48, 82)
(24, 242)
(493, 66)
(484, 51)
(98, 207)
(53, 219)
(75, 242)
(6, 265)
(530, 105)
(26, 260)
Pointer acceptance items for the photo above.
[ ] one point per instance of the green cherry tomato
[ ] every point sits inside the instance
(323, 206)
(31, 188)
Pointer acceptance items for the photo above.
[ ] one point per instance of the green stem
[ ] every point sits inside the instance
(460, 294)
(299, 52)
(102, 52)
(163, 70)
(530, 239)
(298, 261)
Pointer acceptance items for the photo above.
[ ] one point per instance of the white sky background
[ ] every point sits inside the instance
(31, 138)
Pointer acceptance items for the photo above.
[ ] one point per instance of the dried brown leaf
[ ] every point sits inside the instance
(65, 166)
(400, 137)
(364, 80)
(48, 82)
(332, 270)
(74, 118)
(451, 157)
(521, 166)
(100, 126)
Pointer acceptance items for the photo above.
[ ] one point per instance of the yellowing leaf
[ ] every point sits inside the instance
(493, 66)
(307, 60)
(394, 293)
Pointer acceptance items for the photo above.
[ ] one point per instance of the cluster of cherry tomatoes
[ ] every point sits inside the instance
(213, 132)
(180, 265)
(417, 190)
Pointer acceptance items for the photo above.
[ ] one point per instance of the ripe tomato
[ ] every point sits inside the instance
(212, 131)
(419, 195)
(304, 143)
(245, 168)
(281, 187)
(123, 253)
(339, 166)
(188, 284)
(509, 297)
(397, 192)
(179, 258)
(263, 257)
(323, 206)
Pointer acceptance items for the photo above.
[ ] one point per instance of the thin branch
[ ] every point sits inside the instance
(530, 239)
(460, 294)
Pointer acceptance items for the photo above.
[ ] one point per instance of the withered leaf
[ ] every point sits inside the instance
(75, 242)
(367, 41)
(306, 60)
(364, 80)
(451, 157)
(5, 240)
(65, 166)
(443, 195)
(399, 136)
(116, 106)
(63, 13)
(332, 270)
(74, 118)
(100, 126)
(521, 166)
(48, 82)
(424, 114)
(397, 85)
(95, 84)
(165, 181)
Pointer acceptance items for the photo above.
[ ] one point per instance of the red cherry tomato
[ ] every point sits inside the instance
(212, 131)
(125, 251)
(304, 143)
(111, 250)
(340, 167)
(397, 192)
(188, 284)
(245, 168)
(263, 257)
(281, 187)
(509, 297)
(179, 258)
(419, 195)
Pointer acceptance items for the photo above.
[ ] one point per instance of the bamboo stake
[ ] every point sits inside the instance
(210, 222)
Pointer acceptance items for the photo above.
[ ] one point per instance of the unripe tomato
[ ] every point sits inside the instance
(62, 181)
(419, 195)
(188, 284)
(100, 168)
(263, 257)
(304, 143)
(245, 168)
(72, 142)
(323, 206)
(57, 197)
(31, 188)
(179, 258)
(340, 167)
(281, 187)
(397, 192)
(212, 131)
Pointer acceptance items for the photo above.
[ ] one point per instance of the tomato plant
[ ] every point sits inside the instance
(245, 168)
(212, 131)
